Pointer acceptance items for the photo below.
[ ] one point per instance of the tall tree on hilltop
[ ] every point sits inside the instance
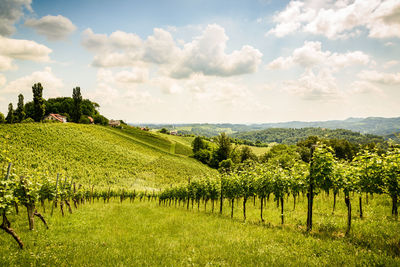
(10, 115)
(77, 110)
(20, 112)
(39, 107)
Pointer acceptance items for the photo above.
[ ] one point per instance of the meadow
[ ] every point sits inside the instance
(147, 234)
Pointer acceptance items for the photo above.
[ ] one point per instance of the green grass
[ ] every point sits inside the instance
(145, 234)
(103, 155)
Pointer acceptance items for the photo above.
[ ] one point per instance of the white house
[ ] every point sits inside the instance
(56, 117)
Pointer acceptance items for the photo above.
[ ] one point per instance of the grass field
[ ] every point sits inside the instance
(146, 234)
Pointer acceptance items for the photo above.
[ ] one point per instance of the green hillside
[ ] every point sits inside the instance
(102, 155)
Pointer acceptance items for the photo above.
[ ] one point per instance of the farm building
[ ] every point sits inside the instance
(55, 117)
(114, 123)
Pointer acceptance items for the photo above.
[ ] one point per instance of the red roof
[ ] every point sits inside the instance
(58, 117)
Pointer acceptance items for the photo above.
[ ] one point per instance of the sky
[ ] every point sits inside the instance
(197, 61)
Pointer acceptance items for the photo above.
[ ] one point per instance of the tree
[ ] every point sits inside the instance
(39, 107)
(20, 112)
(198, 144)
(10, 115)
(224, 147)
(203, 155)
(164, 131)
(246, 154)
(2, 119)
(77, 108)
(99, 119)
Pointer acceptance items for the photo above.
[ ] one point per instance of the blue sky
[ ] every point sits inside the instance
(207, 61)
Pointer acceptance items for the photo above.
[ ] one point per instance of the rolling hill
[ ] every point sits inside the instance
(100, 155)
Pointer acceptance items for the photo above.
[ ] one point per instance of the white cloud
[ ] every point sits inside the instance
(51, 84)
(313, 87)
(167, 85)
(390, 64)
(311, 55)
(380, 77)
(342, 19)
(120, 87)
(53, 27)
(291, 18)
(160, 48)
(205, 54)
(93, 41)
(364, 87)
(135, 75)
(10, 12)
(21, 49)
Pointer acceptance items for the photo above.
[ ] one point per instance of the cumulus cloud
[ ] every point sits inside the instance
(10, 12)
(342, 19)
(311, 86)
(311, 55)
(205, 54)
(53, 27)
(11, 49)
(160, 48)
(380, 77)
(46, 77)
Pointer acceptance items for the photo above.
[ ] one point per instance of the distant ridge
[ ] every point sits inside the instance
(371, 125)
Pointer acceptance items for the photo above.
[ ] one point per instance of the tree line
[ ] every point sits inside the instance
(222, 151)
(75, 108)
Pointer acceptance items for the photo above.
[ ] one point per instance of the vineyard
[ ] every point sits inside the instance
(47, 181)
(98, 155)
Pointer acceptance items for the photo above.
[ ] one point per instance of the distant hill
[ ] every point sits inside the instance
(292, 136)
(370, 125)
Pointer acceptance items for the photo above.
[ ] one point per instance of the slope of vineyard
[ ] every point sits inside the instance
(102, 155)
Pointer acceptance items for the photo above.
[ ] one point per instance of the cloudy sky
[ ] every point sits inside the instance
(207, 61)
